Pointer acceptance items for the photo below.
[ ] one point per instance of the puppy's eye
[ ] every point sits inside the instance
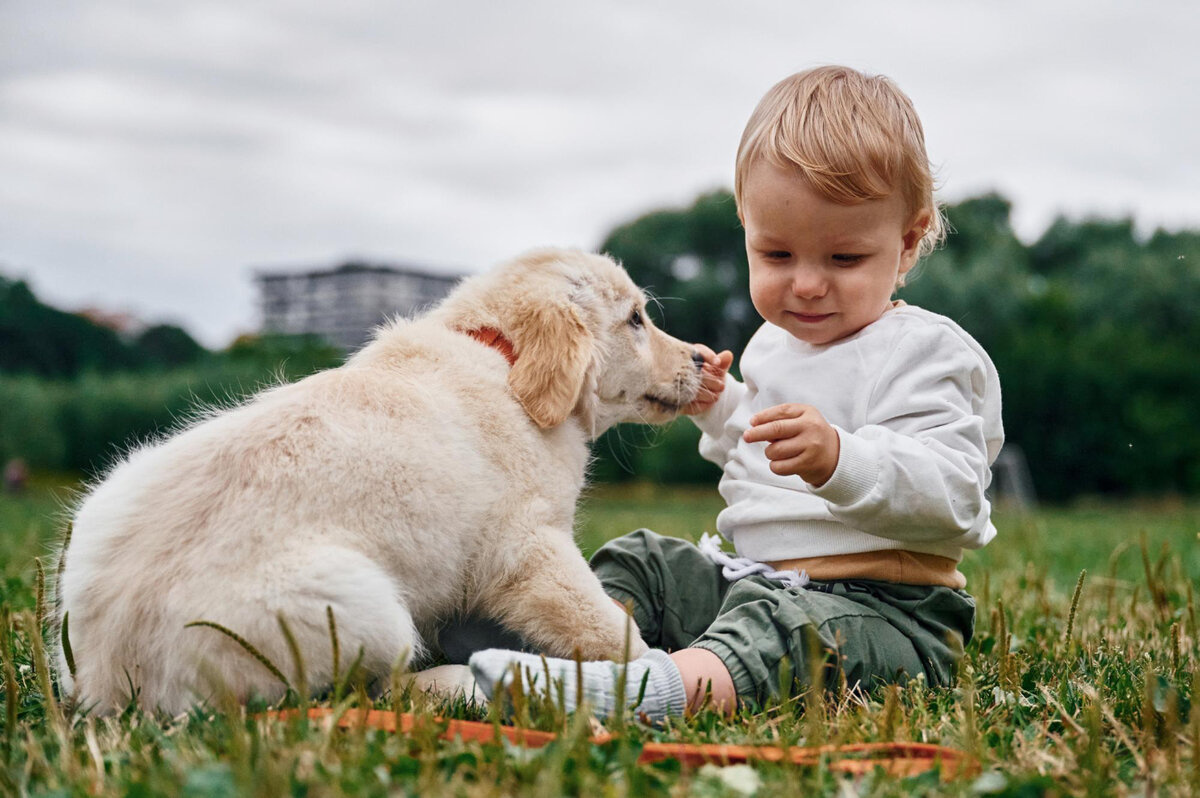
(635, 319)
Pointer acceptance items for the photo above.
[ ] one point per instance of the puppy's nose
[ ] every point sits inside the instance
(698, 359)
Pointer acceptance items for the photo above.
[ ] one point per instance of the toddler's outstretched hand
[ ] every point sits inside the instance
(712, 379)
(802, 443)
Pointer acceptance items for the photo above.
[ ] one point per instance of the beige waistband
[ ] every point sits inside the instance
(891, 565)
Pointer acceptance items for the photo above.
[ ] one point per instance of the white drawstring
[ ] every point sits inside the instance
(735, 568)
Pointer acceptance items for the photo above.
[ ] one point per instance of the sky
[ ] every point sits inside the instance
(156, 154)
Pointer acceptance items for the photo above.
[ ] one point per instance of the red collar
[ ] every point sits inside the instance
(490, 336)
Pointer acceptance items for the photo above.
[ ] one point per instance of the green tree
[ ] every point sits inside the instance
(693, 260)
(168, 346)
(38, 339)
(1095, 333)
(292, 356)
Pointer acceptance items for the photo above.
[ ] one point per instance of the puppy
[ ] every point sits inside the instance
(436, 472)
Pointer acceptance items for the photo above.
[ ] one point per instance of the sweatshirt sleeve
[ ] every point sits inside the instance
(918, 469)
(719, 439)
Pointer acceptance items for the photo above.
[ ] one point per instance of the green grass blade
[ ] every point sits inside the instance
(245, 644)
(65, 636)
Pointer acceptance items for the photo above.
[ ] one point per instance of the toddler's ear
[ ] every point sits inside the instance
(912, 240)
(917, 229)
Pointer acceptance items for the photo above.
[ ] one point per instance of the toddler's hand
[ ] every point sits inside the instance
(712, 379)
(802, 443)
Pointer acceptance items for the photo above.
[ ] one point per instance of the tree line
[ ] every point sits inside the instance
(74, 393)
(1095, 331)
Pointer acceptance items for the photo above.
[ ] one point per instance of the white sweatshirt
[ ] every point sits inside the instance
(916, 405)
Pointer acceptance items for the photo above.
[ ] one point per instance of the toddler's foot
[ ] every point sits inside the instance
(664, 695)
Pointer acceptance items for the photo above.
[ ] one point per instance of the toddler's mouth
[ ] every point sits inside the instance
(810, 318)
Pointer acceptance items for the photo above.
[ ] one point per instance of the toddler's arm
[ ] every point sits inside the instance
(918, 469)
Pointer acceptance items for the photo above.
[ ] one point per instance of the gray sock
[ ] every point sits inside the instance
(664, 695)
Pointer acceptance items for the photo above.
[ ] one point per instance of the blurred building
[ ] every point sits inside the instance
(344, 304)
(1012, 484)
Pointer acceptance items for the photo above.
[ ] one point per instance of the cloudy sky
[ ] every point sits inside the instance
(155, 153)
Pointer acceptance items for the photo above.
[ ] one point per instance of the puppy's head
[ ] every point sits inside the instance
(583, 343)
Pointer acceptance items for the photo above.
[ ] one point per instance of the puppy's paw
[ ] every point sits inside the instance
(608, 649)
(449, 682)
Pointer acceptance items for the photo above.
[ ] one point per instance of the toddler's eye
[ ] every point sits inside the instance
(778, 254)
(845, 258)
(635, 319)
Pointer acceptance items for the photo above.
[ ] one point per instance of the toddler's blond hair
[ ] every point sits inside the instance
(854, 137)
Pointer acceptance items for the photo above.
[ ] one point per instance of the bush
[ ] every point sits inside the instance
(30, 425)
(86, 423)
(666, 455)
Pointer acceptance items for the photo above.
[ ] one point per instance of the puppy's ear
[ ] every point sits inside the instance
(553, 348)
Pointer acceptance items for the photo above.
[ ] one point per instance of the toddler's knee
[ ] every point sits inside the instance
(637, 544)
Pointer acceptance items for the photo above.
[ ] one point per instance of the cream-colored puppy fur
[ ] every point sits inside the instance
(423, 478)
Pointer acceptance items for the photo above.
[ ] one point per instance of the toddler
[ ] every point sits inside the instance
(855, 451)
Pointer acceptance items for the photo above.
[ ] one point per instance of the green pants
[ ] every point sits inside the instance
(874, 632)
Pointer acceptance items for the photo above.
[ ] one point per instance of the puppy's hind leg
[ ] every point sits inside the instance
(374, 629)
(370, 621)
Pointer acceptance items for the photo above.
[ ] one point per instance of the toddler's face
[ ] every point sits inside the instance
(820, 270)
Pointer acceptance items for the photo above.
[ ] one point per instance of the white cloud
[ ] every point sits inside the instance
(152, 154)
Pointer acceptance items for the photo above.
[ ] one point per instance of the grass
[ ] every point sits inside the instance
(1074, 685)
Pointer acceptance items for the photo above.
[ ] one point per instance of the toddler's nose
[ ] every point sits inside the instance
(808, 286)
